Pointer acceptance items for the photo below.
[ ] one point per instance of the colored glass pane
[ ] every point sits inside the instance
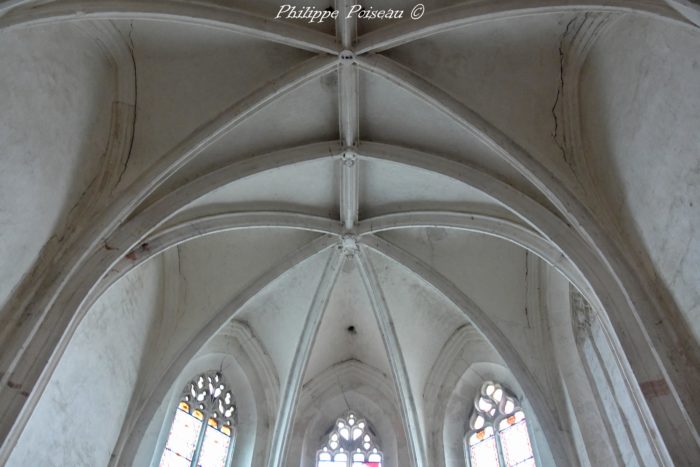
(350, 444)
(484, 453)
(203, 424)
(495, 408)
(214, 448)
(515, 442)
(170, 459)
(182, 440)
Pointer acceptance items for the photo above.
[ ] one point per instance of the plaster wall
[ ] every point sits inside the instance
(56, 89)
(507, 70)
(215, 356)
(348, 306)
(591, 433)
(641, 151)
(642, 142)
(349, 385)
(79, 417)
(187, 67)
(213, 270)
(277, 314)
(488, 270)
(423, 319)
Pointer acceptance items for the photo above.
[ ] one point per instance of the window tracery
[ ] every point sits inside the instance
(498, 433)
(202, 431)
(350, 443)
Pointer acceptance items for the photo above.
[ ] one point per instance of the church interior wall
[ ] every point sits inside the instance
(512, 199)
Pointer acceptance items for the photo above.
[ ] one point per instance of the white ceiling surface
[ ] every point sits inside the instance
(643, 141)
(424, 321)
(215, 269)
(60, 80)
(387, 187)
(191, 82)
(310, 187)
(476, 65)
(348, 306)
(490, 271)
(96, 378)
(277, 315)
(393, 115)
(187, 75)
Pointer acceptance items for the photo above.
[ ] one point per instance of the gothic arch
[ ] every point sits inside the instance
(560, 228)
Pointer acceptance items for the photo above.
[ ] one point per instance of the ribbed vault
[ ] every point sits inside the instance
(347, 232)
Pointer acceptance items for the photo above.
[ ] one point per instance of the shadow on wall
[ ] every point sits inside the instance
(641, 145)
(355, 386)
(223, 353)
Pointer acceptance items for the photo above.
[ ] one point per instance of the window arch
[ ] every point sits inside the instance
(498, 434)
(203, 429)
(351, 443)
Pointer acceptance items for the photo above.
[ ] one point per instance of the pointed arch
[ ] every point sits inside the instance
(446, 19)
(607, 288)
(629, 308)
(129, 439)
(409, 411)
(285, 416)
(77, 255)
(366, 383)
(204, 423)
(351, 440)
(188, 12)
(558, 444)
(498, 429)
(72, 296)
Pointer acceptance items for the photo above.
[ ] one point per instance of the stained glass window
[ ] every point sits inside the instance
(498, 435)
(350, 444)
(202, 432)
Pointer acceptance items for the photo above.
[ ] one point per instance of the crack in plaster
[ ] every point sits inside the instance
(527, 311)
(136, 96)
(560, 139)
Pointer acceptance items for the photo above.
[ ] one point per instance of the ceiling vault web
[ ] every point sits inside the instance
(83, 274)
(7, 5)
(489, 330)
(21, 12)
(149, 180)
(469, 13)
(409, 411)
(188, 12)
(534, 171)
(129, 439)
(292, 387)
(190, 229)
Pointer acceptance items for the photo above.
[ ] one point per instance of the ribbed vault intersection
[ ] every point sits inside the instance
(169, 203)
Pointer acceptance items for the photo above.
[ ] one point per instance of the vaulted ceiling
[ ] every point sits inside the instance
(350, 192)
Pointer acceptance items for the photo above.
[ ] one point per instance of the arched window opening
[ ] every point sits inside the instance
(498, 434)
(351, 443)
(202, 432)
